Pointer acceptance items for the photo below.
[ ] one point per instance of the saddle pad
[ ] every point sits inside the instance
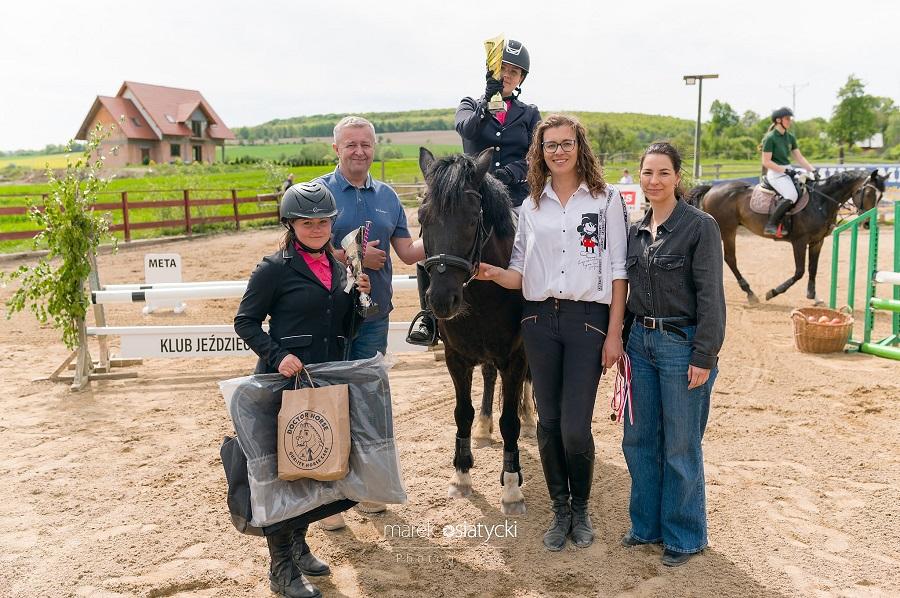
(762, 199)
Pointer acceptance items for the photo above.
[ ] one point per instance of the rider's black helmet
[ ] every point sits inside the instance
(514, 53)
(781, 113)
(307, 200)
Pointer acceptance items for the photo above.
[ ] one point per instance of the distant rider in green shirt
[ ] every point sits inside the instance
(778, 146)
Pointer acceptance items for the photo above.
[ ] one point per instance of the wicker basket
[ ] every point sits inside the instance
(813, 337)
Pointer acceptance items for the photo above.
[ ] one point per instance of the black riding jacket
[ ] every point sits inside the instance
(305, 318)
(479, 129)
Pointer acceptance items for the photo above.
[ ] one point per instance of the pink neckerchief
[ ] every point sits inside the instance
(320, 266)
(501, 116)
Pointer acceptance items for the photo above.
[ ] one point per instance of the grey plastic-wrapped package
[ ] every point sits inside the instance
(375, 476)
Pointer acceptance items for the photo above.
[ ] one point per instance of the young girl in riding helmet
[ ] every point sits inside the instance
(508, 132)
(300, 289)
(778, 147)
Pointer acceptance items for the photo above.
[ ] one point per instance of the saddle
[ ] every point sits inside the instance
(762, 199)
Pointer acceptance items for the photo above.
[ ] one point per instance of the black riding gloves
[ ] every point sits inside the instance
(503, 175)
(492, 86)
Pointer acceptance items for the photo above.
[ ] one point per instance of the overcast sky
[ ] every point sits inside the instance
(255, 61)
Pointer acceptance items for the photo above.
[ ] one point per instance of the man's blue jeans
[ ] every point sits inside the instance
(372, 338)
(663, 447)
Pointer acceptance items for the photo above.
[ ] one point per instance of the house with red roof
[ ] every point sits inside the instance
(154, 122)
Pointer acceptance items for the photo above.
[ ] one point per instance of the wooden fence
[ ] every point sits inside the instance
(188, 221)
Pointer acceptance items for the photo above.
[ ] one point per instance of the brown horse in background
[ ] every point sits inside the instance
(729, 204)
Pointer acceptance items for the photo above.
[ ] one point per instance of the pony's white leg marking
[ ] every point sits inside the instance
(460, 485)
(512, 501)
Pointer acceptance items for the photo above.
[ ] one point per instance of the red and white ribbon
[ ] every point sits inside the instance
(622, 397)
(365, 239)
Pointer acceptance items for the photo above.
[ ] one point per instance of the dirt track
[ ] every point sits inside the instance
(118, 491)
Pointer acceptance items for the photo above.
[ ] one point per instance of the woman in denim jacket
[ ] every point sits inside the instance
(676, 293)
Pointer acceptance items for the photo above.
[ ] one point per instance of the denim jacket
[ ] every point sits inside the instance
(679, 275)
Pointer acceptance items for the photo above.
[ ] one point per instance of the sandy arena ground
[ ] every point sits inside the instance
(119, 491)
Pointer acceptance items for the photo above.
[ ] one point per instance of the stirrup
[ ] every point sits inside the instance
(779, 233)
(420, 320)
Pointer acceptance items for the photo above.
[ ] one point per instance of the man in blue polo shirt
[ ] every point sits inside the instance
(359, 198)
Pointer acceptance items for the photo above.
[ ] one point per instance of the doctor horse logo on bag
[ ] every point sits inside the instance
(308, 439)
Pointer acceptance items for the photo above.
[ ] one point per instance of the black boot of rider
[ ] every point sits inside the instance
(284, 577)
(553, 460)
(581, 475)
(303, 557)
(781, 208)
(423, 329)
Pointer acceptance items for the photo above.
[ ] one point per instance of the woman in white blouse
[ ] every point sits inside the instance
(569, 261)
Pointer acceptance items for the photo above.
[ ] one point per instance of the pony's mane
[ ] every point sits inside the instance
(841, 179)
(447, 179)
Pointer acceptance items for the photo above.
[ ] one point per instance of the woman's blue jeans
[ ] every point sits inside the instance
(663, 447)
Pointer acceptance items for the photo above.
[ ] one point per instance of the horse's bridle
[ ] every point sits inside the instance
(859, 192)
(869, 185)
(471, 262)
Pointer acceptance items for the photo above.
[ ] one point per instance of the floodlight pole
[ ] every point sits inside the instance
(691, 80)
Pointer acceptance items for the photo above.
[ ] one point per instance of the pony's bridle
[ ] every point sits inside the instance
(861, 191)
(469, 264)
(858, 193)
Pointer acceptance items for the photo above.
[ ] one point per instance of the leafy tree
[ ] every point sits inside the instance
(750, 119)
(892, 131)
(723, 117)
(275, 175)
(609, 139)
(853, 117)
(885, 108)
(53, 289)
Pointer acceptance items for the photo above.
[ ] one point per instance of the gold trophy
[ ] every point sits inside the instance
(494, 49)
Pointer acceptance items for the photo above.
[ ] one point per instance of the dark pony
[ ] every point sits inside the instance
(447, 181)
(465, 218)
(729, 204)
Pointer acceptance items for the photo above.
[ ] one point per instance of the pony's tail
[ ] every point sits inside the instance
(695, 195)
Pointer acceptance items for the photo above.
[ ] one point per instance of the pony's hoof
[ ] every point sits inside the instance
(458, 491)
(514, 509)
(482, 441)
(769, 295)
(752, 299)
(481, 433)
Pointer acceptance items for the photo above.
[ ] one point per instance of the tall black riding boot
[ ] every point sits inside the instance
(303, 557)
(553, 460)
(284, 577)
(781, 208)
(581, 474)
(423, 328)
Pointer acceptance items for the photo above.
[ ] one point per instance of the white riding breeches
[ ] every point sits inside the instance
(783, 184)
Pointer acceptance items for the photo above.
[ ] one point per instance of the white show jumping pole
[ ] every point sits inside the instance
(888, 277)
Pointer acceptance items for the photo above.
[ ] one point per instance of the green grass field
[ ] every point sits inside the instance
(284, 151)
(204, 183)
(215, 181)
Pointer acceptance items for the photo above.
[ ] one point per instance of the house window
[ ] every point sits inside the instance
(175, 150)
(196, 128)
(198, 153)
(145, 155)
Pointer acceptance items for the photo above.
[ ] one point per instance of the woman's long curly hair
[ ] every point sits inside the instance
(586, 163)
